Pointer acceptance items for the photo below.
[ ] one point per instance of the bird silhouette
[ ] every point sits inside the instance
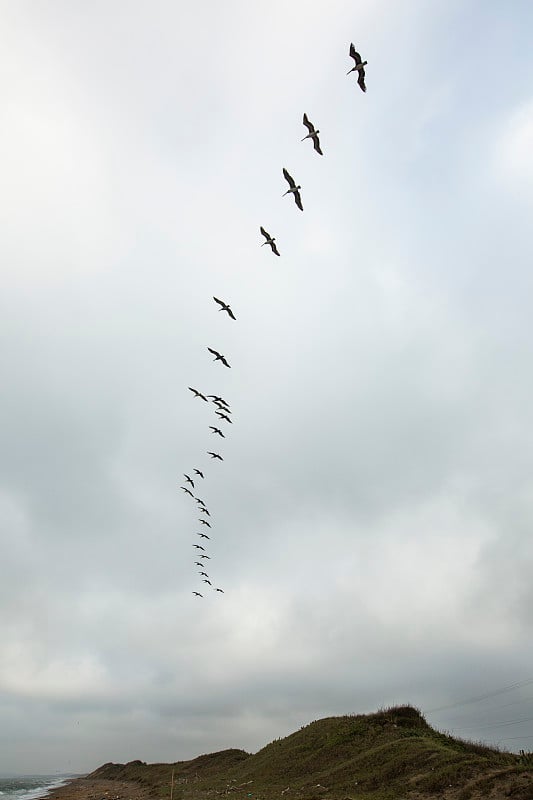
(198, 594)
(202, 556)
(204, 510)
(200, 501)
(217, 430)
(199, 547)
(313, 134)
(219, 590)
(217, 399)
(203, 535)
(220, 415)
(219, 357)
(359, 67)
(293, 189)
(204, 573)
(188, 480)
(197, 472)
(214, 455)
(203, 522)
(199, 563)
(224, 307)
(198, 394)
(206, 580)
(269, 240)
(187, 490)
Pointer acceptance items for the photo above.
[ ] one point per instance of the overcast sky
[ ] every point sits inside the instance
(372, 519)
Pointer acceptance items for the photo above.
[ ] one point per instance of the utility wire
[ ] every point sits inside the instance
(479, 698)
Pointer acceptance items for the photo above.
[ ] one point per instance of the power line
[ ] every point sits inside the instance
(494, 725)
(479, 698)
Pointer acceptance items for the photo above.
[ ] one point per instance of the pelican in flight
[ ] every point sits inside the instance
(202, 556)
(219, 590)
(214, 455)
(188, 480)
(199, 547)
(199, 563)
(217, 430)
(313, 134)
(220, 415)
(187, 490)
(216, 399)
(293, 189)
(206, 580)
(269, 240)
(203, 535)
(198, 594)
(203, 522)
(197, 472)
(203, 510)
(218, 356)
(204, 573)
(198, 394)
(224, 307)
(359, 67)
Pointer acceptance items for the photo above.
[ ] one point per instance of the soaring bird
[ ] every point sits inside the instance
(218, 357)
(198, 594)
(269, 240)
(203, 535)
(222, 407)
(205, 580)
(219, 590)
(199, 547)
(214, 455)
(220, 415)
(216, 399)
(198, 394)
(187, 490)
(204, 573)
(188, 480)
(203, 522)
(200, 501)
(217, 430)
(313, 134)
(359, 67)
(201, 474)
(199, 563)
(202, 556)
(204, 510)
(224, 307)
(293, 189)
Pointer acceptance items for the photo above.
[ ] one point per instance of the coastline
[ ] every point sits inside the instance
(96, 789)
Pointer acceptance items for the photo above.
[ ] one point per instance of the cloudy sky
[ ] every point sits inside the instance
(372, 519)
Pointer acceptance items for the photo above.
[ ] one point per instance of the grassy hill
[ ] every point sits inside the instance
(390, 755)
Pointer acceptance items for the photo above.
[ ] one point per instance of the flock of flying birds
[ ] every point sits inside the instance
(221, 407)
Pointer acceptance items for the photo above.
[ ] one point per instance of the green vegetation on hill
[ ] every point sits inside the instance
(389, 755)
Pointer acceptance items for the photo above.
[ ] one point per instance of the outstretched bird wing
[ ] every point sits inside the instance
(316, 145)
(265, 233)
(298, 200)
(309, 125)
(274, 248)
(361, 79)
(214, 352)
(355, 55)
(290, 180)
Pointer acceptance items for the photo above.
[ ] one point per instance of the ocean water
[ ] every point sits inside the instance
(29, 787)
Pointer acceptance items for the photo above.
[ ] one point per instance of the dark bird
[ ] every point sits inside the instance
(198, 594)
(204, 510)
(200, 501)
(359, 67)
(294, 190)
(313, 134)
(205, 580)
(220, 415)
(217, 399)
(219, 590)
(198, 394)
(188, 480)
(199, 547)
(204, 573)
(218, 357)
(203, 522)
(214, 455)
(269, 240)
(203, 535)
(187, 490)
(202, 556)
(197, 472)
(224, 307)
(199, 563)
(217, 430)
